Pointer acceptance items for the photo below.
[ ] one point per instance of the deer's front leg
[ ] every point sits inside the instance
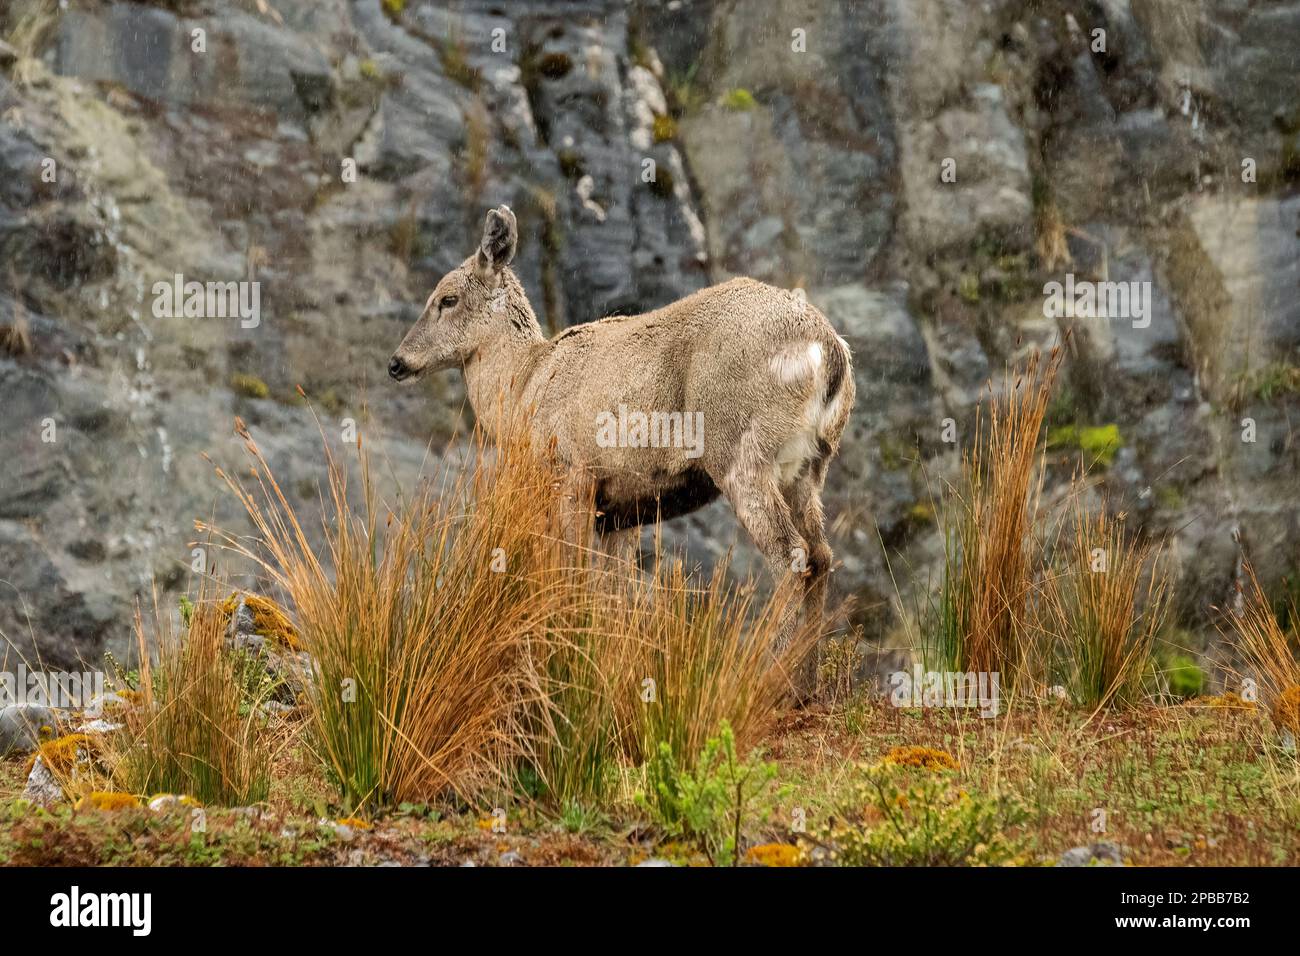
(576, 493)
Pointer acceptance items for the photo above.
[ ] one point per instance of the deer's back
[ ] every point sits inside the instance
(731, 352)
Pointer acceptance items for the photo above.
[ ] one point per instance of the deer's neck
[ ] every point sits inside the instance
(497, 374)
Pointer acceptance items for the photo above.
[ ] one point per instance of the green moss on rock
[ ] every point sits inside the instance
(1099, 443)
(250, 386)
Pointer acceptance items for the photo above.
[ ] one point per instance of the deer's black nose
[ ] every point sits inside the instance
(398, 369)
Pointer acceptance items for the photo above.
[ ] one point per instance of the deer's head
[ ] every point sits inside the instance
(468, 306)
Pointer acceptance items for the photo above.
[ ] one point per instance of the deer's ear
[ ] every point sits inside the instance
(500, 236)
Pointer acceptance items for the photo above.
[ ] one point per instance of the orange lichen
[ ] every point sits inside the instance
(1286, 710)
(926, 758)
(104, 800)
(1229, 701)
(775, 854)
(60, 753)
(355, 823)
(269, 620)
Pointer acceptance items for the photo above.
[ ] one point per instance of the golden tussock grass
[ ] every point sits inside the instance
(1104, 605)
(461, 646)
(988, 523)
(1268, 651)
(198, 728)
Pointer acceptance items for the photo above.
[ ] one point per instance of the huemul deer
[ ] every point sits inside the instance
(759, 368)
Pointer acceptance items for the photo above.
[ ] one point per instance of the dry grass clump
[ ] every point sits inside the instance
(708, 649)
(16, 338)
(1286, 710)
(1103, 619)
(988, 523)
(1003, 607)
(1269, 651)
(660, 658)
(419, 618)
(198, 728)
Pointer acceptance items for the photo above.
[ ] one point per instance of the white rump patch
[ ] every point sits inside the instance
(796, 363)
(800, 446)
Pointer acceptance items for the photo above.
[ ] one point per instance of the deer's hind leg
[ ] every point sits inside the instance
(804, 496)
(763, 511)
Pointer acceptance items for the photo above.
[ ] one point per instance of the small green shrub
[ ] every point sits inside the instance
(1275, 381)
(708, 804)
(578, 817)
(903, 817)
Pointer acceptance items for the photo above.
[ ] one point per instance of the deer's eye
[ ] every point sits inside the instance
(448, 301)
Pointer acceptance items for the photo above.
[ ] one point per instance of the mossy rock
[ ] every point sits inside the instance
(968, 288)
(1099, 443)
(60, 754)
(250, 386)
(1170, 498)
(921, 513)
(571, 164)
(774, 854)
(739, 100)
(269, 620)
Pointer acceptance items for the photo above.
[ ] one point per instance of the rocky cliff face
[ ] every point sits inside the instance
(921, 167)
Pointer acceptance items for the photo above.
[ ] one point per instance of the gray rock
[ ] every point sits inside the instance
(290, 671)
(56, 621)
(149, 52)
(41, 786)
(165, 802)
(1098, 854)
(21, 726)
(990, 195)
(1253, 246)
